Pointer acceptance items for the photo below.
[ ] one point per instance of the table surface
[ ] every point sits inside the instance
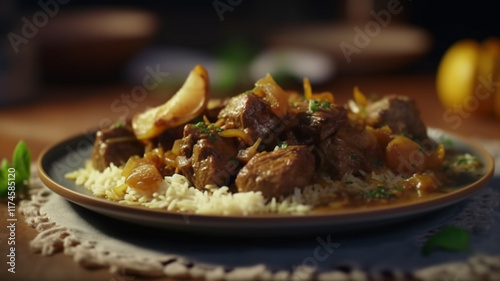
(64, 111)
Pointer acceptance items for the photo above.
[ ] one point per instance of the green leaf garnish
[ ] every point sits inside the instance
(315, 105)
(4, 167)
(22, 163)
(446, 142)
(450, 238)
(21, 159)
(282, 144)
(381, 192)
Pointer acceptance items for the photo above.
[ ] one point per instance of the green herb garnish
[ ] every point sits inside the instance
(446, 142)
(378, 193)
(282, 144)
(20, 168)
(119, 125)
(200, 124)
(212, 137)
(315, 105)
(450, 238)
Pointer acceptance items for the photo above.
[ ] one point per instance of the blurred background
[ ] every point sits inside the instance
(109, 41)
(59, 53)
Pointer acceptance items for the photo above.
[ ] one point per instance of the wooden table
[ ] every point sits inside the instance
(66, 111)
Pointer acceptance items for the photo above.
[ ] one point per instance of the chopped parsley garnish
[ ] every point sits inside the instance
(119, 125)
(449, 238)
(282, 144)
(446, 142)
(208, 129)
(315, 105)
(212, 137)
(353, 156)
(379, 193)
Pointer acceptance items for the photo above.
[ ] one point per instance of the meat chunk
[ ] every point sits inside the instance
(254, 116)
(115, 145)
(400, 114)
(166, 139)
(214, 107)
(277, 173)
(316, 127)
(350, 150)
(208, 158)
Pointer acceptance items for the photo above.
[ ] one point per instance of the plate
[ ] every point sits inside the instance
(71, 154)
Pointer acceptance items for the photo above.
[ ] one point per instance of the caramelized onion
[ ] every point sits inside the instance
(236, 133)
(189, 102)
(275, 96)
(177, 146)
(244, 155)
(307, 89)
(360, 98)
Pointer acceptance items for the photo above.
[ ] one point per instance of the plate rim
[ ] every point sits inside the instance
(337, 217)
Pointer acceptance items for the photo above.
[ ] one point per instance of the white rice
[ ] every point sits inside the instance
(175, 193)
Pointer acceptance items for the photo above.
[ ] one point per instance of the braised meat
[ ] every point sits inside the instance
(351, 150)
(278, 172)
(254, 116)
(315, 127)
(266, 139)
(207, 157)
(115, 145)
(167, 138)
(399, 113)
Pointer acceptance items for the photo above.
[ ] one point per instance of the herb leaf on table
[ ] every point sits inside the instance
(450, 238)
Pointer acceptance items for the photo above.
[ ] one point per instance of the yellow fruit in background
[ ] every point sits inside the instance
(456, 75)
(468, 77)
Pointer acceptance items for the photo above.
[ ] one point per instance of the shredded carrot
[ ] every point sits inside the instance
(236, 133)
(307, 88)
